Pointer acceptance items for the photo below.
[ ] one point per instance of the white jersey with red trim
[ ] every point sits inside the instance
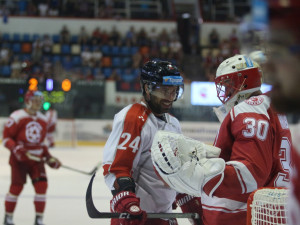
(294, 194)
(127, 154)
(256, 144)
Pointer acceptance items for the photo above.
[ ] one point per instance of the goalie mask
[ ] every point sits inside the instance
(161, 85)
(34, 100)
(237, 79)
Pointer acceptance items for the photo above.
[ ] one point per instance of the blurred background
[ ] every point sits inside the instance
(85, 55)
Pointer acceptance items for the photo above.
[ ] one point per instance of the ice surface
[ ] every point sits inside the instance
(66, 190)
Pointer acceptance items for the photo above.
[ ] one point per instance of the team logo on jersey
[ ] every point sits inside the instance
(33, 132)
(10, 122)
(256, 100)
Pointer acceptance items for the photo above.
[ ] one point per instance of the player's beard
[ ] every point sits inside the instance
(156, 105)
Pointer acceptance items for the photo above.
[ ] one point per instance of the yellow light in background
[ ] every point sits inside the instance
(66, 85)
(33, 83)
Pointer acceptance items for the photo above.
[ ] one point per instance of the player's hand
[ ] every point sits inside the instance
(20, 153)
(190, 204)
(53, 162)
(127, 202)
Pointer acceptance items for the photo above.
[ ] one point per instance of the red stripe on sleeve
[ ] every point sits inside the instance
(129, 141)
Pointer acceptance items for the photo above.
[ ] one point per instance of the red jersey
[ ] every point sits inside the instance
(22, 128)
(294, 195)
(255, 143)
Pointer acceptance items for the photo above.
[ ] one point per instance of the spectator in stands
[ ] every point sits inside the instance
(96, 57)
(16, 67)
(214, 38)
(175, 48)
(153, 37)
(43, 8)
(114, 36)
(225, 48)
(137, 60)
(142, 38)
(96, 36)
(5, 55)
(47, 44)
(104, 38)
(47, 66)
(65, 36)
(86, 56)
(54, 7)
(83, 37)
(130, 36)
(37, 51)
(163, 35)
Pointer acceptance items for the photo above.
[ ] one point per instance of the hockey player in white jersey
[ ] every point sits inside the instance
(255, 144)
(127, 164)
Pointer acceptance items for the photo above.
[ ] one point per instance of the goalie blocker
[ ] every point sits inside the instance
(187, 165)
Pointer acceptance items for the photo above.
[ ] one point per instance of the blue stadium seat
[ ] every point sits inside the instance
(24, 57)
(126, 62)
(35, 37)
(116, 62)
(16, 37)
(76, 60)
(134, 49)
(115, 50)
(97, 71)
(106, 50)
(56, 58)
(5, 71)
(74, 39)
(55, 38)
(107, 72)
(125, 50)
(6, 37)
(16, 47)
(26, 38)
(65, 49)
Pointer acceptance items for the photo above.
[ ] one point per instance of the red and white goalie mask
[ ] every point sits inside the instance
(236, 79)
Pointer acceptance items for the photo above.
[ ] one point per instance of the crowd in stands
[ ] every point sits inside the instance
(85, 8)
(100, 55)
(217, 51)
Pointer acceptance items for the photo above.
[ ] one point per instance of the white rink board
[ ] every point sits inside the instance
(66, 191)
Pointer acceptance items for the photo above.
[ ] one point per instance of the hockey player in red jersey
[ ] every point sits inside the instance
(255, 144)
(284, 71)
(23, 136)
(128, 169)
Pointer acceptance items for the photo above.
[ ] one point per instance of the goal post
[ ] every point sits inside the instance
(267, 206)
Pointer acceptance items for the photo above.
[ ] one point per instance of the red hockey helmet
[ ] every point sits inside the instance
(237, 77)
(30, 94)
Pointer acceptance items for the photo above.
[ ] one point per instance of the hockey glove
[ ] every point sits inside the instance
(20, 153)
(185, 164)
(53, 162)
(50, 160)
(127, 202)
(190, 204)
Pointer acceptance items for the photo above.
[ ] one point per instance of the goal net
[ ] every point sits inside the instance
(267, 206)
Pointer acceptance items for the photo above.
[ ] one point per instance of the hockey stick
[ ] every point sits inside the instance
(94, 213)
(38, 159)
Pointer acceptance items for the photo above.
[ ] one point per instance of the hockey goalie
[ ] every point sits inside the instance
(251, 150)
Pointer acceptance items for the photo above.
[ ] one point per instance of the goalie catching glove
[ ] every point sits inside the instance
(185, 164)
